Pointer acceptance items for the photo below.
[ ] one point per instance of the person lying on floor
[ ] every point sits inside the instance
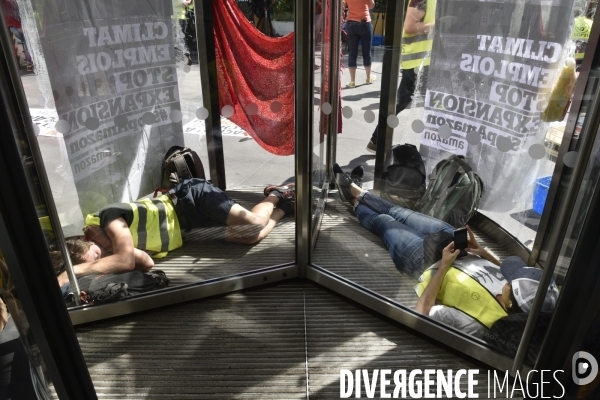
(474, 291)
(118, 237)
(471, 294)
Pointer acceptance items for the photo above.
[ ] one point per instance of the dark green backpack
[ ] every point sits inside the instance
(453, 192)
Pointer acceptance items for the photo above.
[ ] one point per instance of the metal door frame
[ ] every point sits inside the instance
(304, 78)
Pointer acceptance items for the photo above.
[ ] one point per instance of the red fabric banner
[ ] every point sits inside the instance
(255, 76)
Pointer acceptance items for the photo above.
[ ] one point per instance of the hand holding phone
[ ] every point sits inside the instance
(461, 241)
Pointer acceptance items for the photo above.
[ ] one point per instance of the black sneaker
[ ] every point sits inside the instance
(357, 175)
(283, 192)
(288, 207)
(343, 182)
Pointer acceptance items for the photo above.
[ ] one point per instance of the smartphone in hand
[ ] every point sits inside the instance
(460, 241)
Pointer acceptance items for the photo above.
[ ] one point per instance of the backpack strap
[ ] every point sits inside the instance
(446, 187)
(183, 172)
(198, 165)
(172, 150)
(462, 162)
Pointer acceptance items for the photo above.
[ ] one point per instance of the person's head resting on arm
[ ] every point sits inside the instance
(81, 250)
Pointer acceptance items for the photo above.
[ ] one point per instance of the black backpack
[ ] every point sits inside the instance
(180, 163)
(404, 176)
(99, 289)
(453, 192)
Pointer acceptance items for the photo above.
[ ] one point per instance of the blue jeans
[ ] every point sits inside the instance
(402, 230)
(356, 30)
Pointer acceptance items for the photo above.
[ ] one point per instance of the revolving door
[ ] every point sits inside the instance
(324, 242)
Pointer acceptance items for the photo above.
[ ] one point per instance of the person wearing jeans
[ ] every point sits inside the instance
(444, 288)
(403, 231)
(359, 27)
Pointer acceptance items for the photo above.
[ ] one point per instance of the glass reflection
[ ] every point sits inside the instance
(17, 338)
(569, 162)
(321, 118)
(115, 88)
(487, 82)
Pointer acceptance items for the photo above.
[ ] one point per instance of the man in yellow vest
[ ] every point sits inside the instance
(118, 237)
(416, 47)
(472, 293)
(180, 9)
(581, 33)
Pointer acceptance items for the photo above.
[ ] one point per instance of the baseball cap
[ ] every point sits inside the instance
(525, 282)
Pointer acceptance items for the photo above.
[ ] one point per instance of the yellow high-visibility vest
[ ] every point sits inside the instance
(464, 293)
(581, 31)
(416, 48)
(155, 226)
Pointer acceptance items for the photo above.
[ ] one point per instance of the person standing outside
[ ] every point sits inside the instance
(416, 48)
(262, 11)
(359, 27)
(180, 9)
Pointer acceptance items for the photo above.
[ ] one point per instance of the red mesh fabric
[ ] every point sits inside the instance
(255, 75)
(326, 65)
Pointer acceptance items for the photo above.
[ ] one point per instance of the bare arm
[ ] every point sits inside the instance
(413, 24)
(371, 3)
(122, 258)
(3, 315)
(475, 248)
(98, 236)
(427, 299)
(143, 262)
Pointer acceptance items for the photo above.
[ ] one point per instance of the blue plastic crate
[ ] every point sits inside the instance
(540, 192)
(377, 40)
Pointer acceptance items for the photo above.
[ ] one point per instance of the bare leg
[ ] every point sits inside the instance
(355, 190)
(368, 71)
(352, 74)
(252, 226)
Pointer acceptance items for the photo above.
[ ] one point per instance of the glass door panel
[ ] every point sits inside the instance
(490, 82)
(112, 87)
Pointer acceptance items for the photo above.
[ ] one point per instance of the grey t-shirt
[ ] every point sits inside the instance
(489, 276)
(459, 320)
